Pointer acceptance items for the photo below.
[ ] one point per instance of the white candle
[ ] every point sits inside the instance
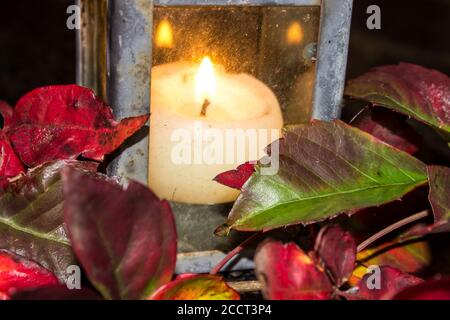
(188, 147)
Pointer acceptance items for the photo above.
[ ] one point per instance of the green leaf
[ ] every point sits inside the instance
(421, 93)
(325, 168)
(31, 217)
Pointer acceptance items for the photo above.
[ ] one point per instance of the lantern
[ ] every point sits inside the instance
(216, 65)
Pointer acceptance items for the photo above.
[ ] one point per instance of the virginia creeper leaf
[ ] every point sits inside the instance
(10, 165)
(17, 273)
(6, 111)
(288, 273)
(196, 287)
(389, 127)
(63, 122)
(384, 285)
(430, 290)
(337, 249)
(125, 239)
(57, 292)
(236, 178)
(409, 257)
(421, 93)
(31, 216)
(325, 168)
(439, 196)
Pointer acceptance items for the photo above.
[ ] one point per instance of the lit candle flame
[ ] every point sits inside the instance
(164, 35)
(294, 33)
(205, 82)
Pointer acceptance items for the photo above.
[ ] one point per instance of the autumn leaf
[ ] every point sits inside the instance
(63, 122)
(421, 93)
(17, 273)
(125, 239)
(389, 127)
(196, 287)
(408, 257)
(57, 292)
(439, 196)
(325, 168)
(10, 165)
(6, 111)
(430, 290)
(384, 284)
(31, 216)
(337, 250)
(287, 273)
(236, 178)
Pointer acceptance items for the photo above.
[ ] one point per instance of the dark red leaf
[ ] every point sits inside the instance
(125, 239)
(63, 122)
(337, 249)
(430, 290)
(439, 182)
(31, 216)
(10, 165)
(389, 127)
(59, 292)
(236, 178)
(287, 273)
(196, 287)
(439, 178)
(6, 111)
(407, 88)
(391, 282)
(17, 273)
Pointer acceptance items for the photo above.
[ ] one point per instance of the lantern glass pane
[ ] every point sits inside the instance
(276, 44)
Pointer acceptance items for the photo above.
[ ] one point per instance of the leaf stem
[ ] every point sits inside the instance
(363, 245)
(233, 253)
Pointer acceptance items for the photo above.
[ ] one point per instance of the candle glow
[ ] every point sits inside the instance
(164, 35)
(205, 82)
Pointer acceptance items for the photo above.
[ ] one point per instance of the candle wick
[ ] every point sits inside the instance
(205, 105)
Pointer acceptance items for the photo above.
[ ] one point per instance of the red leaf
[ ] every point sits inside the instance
(63, 122)
(10, 165)
(196, 287)
(6, 111)
(125, 239)
(236, 178)
(407, 88)
(287, 273)
(57, 292)
(389, 127)
(391, 282)
(439, 182)
(337, 250)
(439, 178)
(430, 290)
(17, 273)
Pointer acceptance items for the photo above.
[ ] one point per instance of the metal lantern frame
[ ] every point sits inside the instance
(114, 57)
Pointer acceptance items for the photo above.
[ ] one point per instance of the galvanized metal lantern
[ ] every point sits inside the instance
(226, 63)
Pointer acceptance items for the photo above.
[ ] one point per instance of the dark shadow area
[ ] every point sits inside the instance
(37, 49)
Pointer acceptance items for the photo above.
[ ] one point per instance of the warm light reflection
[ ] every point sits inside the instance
(205, 81)
(294, 33)
(164, 35)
